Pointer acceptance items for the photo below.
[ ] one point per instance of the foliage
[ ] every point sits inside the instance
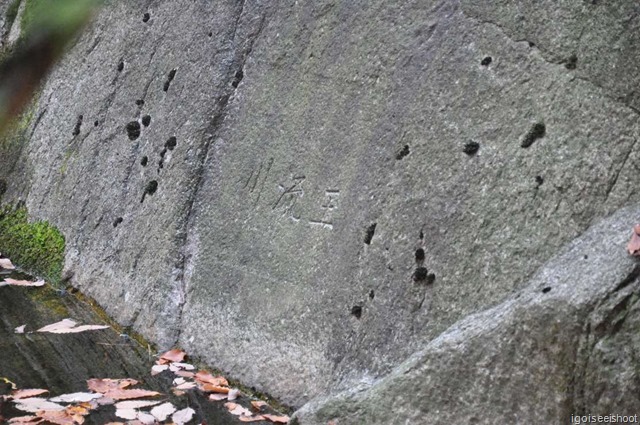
(38, 247)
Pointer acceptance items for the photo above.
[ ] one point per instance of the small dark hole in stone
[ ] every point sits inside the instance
(420, 254)
(421, 236)
(172, 74)
(133, 130)
(471, 148)
(420, 274)
(356, 311)
(210, 34)
(371, 230)
(537, 132)
(545, 290)
(171, 143)
(486, 61)
(150, 189)
(237, 78)
(586, 257)
(146, 17)
(166, 86)
(139, 102)
(572, 62)
(404, 152)
(146, 120)
(96, 123)
(532, 44)
(372, 294)
(117, 221)
(163, 153)
(76, 128)
(144, 161)
(539, 180)
(120, 66)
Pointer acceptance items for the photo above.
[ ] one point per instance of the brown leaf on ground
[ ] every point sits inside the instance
(119, 394)
(172, 356)
(251, 418)
(209, 388)
(236, 409)
(25, 420)
(104, 385)
(18, 394)
(59, 417)
(277, 419)
(258, 404)
(633, 247)
(205, 377)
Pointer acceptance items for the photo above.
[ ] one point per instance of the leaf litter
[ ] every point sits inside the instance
(71, 409)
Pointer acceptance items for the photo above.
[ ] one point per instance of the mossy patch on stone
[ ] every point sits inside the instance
(37, 247)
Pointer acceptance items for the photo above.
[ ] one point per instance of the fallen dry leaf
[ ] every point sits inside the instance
(184, 374)
(104, 385)
(76, 397)
(127, 413)
(25, 420)
(186, 386)
(146, 418)
(18, 394)
(277, 419)
(14, 282)
(238, 410)
(136, 404)
(183, 416)
(251, 418)
(217, 397)
(20, 329)
(69, 326)
(233, 394)
(214, 389)
(176, 366)
(205, 377)
(634, 244)
(119, 394)
(258, 404)
(5, 263)
(163, 411)
(34, 405)
(172, 356)
(158, 368)
(60, 418)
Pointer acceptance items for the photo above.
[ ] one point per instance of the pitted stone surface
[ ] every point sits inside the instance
(318, 145)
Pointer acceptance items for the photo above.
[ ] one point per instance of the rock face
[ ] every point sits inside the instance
(564, 345)
(265, 183)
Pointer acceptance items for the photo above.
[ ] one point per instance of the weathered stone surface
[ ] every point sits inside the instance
(318, 145)
(563, 345)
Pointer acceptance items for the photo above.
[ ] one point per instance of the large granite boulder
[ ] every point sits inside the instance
(305, 193)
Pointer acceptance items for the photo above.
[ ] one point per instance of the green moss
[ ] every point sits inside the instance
(37, 247)
(50, 299)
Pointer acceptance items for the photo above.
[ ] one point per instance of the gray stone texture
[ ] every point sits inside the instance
(300, 124)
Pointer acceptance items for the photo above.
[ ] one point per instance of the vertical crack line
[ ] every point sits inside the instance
(175, 307)
(617, 173)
